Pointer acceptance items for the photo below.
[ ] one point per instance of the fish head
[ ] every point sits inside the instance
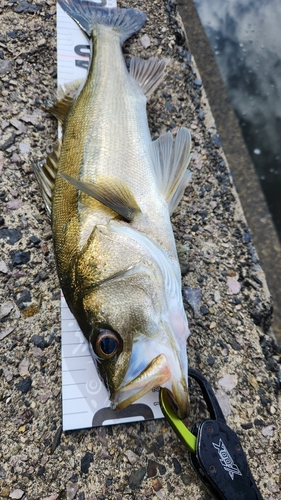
(138, 328)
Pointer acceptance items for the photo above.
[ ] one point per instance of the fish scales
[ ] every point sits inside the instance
(110, 208)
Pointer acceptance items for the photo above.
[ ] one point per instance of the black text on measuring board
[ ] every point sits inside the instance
(82, 51)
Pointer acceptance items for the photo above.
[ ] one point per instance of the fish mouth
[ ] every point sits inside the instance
(156, 374)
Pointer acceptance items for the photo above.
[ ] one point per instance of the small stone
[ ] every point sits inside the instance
(13, 235)
(233, 285)
(31, 119)
(10, 141)
(57, 439)
(217, 140)
(210, 360)
(22, 6)
(228, 381)
(268, 431)
(6, 332)
(7, 374)
(23, 368)
(5, 309)
(16, 494)
(193, 297)
(185, 479)
(86, 461)
(145, 41)
(19, 258)
(4, 492)
(6, 66)
(198, 82)
(71, 490)
(151, 468)
(132, 457)
(24, 385)
(177, 465)
(223, 402)
(136, 478)
(247, 426)
(41, 42)
(39, 341)
(24, 297)
(18, 125)
(156, 485)
(204, 310)
(24, 148)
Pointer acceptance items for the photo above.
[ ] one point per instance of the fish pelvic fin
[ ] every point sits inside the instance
(46, 175)
(61, 104)
(148, 73)
(88, 15)
(112, 192)
(170, 159)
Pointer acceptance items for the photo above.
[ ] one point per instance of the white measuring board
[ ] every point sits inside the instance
(85, 400)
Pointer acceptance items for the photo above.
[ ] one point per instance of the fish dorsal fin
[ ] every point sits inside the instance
(148, 73)
(66, 95)
(170, 160)
(46, 175)
(112, 192)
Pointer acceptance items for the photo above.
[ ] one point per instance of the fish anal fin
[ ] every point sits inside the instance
(170, 159)
(111, 192)
(46, 175)
(148, 73)
(62, 103)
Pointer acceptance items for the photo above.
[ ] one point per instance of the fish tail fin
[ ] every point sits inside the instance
(88, 15)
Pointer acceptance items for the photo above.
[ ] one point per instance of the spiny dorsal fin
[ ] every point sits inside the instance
(112, 192)
(62, 103)
(46, 175)
(148, 73)
(170, 160)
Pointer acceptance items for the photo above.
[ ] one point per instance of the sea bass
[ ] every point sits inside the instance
(110, 191)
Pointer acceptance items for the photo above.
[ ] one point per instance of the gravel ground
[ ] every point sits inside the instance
(227, 299)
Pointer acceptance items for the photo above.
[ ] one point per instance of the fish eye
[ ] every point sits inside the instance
(108, 344)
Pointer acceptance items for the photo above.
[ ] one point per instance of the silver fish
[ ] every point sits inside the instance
(110, 207)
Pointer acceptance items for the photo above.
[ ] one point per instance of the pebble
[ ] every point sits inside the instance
(193, 297)
(24, 385)
(6, 332)
(136, 478)
(57, 439)
(71, 490)
(6, 66)
(132, 457)
(177, 465)
(5, 309)
(86, 462)
(233, 285)
(228, 381)
(223, 402)
(23, 367)
(145, 41)
(268, 431)
(20, 257)
(16, 494)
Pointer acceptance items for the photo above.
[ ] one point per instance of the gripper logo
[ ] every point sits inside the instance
(226, 460)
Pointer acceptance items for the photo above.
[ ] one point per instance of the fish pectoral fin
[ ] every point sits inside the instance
(66, 95)
(170, 160)
(112, 192)
(46, 175)
(148, 73)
